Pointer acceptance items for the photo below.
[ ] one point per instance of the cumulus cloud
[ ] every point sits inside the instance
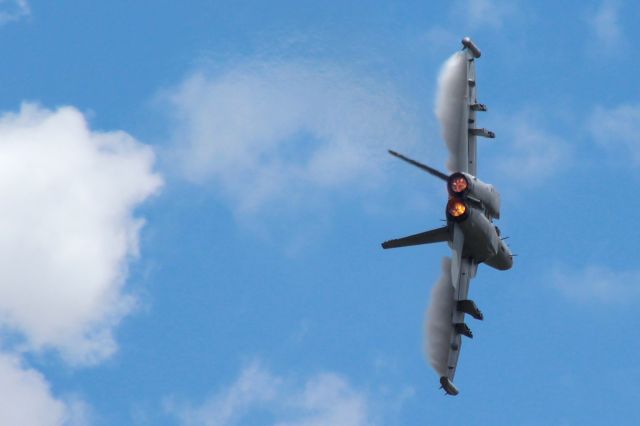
(13, 10)
(266, 132)
(597, 284)
(324, 399)
(27, 400)
(617, 130)
(67, 229)
(606, 29)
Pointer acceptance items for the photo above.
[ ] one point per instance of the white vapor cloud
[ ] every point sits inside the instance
(273, 132)
(324, 399)
(605, 25)
(450, 102)
(67, 229)
(13, 10)
(598, 284)
(27, 400)
(617, 130)
(438, 320)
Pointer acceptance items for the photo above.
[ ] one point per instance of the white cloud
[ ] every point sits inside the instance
(440, 39)
(484, 13)
(324, 399)
(67, 229)
(617, 131)
(13, 10)
(596, 284)
(328, 399)
(530, 153)
(27, 400)
(255, 387)
(274, 132)
(605, 25)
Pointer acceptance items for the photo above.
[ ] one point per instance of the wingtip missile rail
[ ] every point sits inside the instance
(467, 43)
(448, 386)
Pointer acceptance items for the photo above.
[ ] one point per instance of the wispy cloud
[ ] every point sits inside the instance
(605, 26)
(323, 399)
(616, 130)
(532, 153)
(598, 284)
(67, 229)
(13, 10)
(439, 40)
(484, 13)
(272, 132)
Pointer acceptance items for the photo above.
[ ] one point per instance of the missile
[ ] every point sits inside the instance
(448, 387)
(466, 42)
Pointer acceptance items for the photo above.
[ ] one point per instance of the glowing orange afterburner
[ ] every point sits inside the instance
(458, 183)
(456, 208)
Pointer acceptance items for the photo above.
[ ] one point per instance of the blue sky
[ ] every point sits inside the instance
(194, 195)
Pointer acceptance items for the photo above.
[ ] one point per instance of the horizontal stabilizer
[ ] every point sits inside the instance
(433, 236)
(435, 172)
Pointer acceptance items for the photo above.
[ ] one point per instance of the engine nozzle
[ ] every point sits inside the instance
(457, 184)
(457, 210)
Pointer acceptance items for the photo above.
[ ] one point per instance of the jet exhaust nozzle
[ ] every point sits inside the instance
(458, 184)
(457, 209)
(463, 185)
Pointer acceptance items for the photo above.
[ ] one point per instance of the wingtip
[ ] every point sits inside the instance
(469, 44)
(448, 386)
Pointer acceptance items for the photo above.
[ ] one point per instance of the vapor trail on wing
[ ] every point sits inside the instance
(438, 320)
(450, 105)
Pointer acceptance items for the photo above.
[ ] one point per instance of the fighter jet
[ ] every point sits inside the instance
(471, 208)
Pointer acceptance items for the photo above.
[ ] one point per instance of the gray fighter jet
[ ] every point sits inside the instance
(471, 208)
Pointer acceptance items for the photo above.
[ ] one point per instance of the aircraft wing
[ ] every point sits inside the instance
(456, 107)
(458, 326)
(446, 313)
